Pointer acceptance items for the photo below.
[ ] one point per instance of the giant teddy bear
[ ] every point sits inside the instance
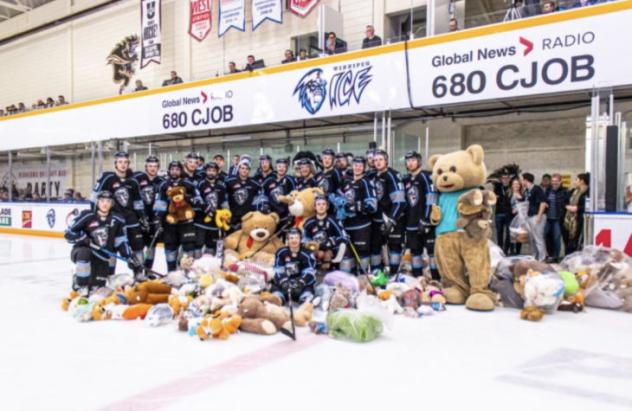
(301, 204)
(255, 239)
(463, 260)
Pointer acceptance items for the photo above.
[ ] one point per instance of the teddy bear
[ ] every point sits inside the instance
(148, 292)
(179, 208)
(301, 204)
(475, 212)
(219, 326)
(259, 317)
(255, 240)
(457, 254)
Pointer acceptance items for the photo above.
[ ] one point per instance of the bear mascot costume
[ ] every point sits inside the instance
(463, 260)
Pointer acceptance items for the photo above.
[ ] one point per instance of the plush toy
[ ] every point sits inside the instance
(542, 294)
(454, 175)
(301, 204)
(303, 315)
(179, 208)
(148, 292)
(253, 240)
(475, 212)
(341, 298)
(65, 303)
(179, 303)
(218, 326)
(259, 317)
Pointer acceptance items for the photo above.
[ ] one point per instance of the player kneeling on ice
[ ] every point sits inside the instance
(294, 271)
(95, 235)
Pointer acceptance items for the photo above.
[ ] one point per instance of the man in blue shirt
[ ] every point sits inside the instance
(556, 199)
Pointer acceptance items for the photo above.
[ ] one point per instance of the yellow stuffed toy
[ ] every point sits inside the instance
(149, 292)
(463, 262)
(219, 326)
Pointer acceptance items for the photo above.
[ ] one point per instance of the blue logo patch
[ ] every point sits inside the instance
(311, 90)
(50, 218)
(347, 84)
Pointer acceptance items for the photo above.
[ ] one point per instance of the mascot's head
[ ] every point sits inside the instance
(458, 170)
(311, 90)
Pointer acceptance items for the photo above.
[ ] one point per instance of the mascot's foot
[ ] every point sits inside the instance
(454, 296)
(480, 302)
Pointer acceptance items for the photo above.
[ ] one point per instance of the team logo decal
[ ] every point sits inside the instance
(412, 195)
(379, 189)
(312, 91)
(148, 194)
(211, 200)
(100, 236)
(122, 196)
(241, 196)
(50, 218)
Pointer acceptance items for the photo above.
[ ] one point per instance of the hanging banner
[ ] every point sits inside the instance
(150, 34)
(200, 19)
(301, 7)
(232, 13)
(263, 10)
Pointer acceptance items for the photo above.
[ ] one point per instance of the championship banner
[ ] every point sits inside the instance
(301, 7)
(200, 19)
(150, 34)
(232, 13)
(263, 10)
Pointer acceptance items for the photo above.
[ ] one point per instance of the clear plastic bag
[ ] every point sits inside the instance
(519, 226)
(544, 291)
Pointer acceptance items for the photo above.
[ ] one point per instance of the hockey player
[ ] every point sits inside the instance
(265, 170)
(191, 171)
(92, 233)
(241, 191)
(294, 271)
(181, 234)
(419, 198)
(283, 184)
(307, 177)
(127, 203)
(342, 165)
(149, 182)
(213, 193)
(392, 203)
(360, 205)
(219, 160)
(322, 234)
(330, 179)
(377, 239)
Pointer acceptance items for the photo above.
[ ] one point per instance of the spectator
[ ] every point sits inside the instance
(36, 196)
(582, 3)
(69, 195)
(22, 108)
(140, 86)
(574, 218)
(232, 67)
(2, 113)
(502, 189)
(289, 57)
(174, 79)
(517, 197)
(302, 55)
(556, 198)
(232, 171)
(4, 194)
(371, 40)
(41, 104)
(333, 45)
(531, 8)
(453, 25)
(50, 102)
(548, 7)
(61, 100)
(545, 182)
(537, 206)
(253, 64)
(78, 197)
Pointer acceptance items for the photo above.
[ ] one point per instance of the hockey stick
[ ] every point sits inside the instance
(152, 244)
(286, 332)
(354, 251)
(121, 258)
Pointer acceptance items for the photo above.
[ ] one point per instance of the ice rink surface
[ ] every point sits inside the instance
(452, 360)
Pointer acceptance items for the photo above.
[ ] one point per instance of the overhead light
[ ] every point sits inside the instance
(235, 138)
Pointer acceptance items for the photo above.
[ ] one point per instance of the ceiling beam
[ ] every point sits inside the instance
(16, 7)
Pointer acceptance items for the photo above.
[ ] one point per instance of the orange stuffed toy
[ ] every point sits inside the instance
(179, 208)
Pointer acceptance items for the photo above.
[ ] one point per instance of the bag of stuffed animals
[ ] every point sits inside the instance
(519, 227)
(606, 276)
(354, 325)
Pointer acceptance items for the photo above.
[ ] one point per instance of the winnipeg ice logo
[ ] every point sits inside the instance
(312, 91)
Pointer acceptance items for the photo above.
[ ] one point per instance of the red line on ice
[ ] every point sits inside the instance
(165, 394)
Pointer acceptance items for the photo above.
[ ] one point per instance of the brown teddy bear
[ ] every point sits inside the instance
(179, 208)
(149, 292)
(301, 204)
(454, 175)
(254, 239)
(259, 317)
(475, 210)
